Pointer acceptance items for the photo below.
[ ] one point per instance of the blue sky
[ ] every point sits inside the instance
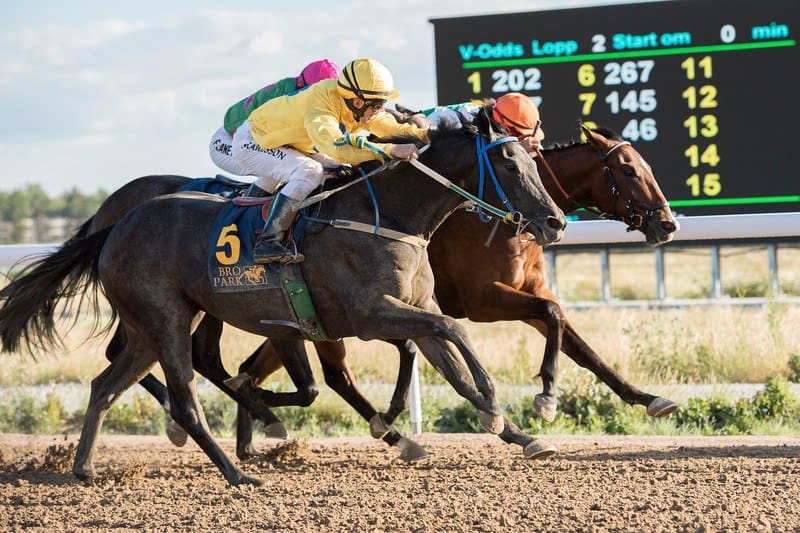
(96, 93)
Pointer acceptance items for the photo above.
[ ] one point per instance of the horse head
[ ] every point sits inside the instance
(628, 191)
(500, 173)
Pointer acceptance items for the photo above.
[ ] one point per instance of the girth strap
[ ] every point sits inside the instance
(373, 230)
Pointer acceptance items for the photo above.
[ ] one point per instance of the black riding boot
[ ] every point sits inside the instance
(269, 247)
(254, 191)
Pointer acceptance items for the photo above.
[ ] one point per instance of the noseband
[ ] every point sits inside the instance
(633, 219)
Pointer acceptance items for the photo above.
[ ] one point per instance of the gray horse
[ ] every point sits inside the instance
(152, 267)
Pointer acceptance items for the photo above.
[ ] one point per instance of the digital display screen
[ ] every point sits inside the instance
(704, 89)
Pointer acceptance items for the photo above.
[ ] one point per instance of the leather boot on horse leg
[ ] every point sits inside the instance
(268, 247)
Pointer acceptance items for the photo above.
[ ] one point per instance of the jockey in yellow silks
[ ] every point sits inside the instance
(292, 138)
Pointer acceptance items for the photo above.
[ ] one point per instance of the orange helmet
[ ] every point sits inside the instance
(518, 114)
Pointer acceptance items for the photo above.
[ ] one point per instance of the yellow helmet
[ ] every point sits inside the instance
(366, 79)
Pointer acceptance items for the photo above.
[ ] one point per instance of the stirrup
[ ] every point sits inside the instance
(275, 252)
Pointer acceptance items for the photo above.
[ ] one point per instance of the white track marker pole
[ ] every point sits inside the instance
(415, 414)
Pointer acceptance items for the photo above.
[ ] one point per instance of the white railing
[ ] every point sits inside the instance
(718, 227)
(768, 229)
(13, 253)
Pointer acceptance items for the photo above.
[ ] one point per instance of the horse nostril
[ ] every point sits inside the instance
(668, 226)
(554, 223)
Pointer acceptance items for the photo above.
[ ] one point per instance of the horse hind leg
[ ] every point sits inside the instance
(125, 369)
(151, 384)
(580, 352)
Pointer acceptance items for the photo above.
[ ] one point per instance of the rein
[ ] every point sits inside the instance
(511, 216)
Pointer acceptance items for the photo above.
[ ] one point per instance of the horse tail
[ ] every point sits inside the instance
(82, 231)
(28, 305)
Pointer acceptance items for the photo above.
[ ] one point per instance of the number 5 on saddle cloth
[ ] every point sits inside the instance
(231, 267)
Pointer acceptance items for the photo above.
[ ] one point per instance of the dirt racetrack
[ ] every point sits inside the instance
(470, 483)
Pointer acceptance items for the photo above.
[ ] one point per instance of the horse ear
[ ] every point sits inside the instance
(591, 136)
(484, 123)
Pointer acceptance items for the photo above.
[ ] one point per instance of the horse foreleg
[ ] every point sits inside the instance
(340, 378)
(448, 364)
(580, 352)
(395, 319)
(503, 302)
(125, 369)
(532, 447)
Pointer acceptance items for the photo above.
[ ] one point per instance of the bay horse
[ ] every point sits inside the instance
(488, 273)
(151, 266)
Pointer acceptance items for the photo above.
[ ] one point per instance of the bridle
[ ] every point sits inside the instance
(635, 220)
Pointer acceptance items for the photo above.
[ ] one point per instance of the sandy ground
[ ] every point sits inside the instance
(469, 483)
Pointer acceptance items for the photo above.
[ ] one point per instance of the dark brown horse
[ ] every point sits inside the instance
(505, 281)
(151, 266)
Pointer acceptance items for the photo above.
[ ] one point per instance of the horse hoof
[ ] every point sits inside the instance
(490, 423)
(176, 434)
(276, 430)
(537, 449)
(377, 427)
(246, 452)
(83, 474)
(661, 407)
(236, 382)
(411, 452)
(242, 479)
(545, 407)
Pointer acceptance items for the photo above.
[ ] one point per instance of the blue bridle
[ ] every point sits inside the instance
(482, 149)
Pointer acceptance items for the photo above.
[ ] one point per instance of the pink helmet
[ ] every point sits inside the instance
(316, 71)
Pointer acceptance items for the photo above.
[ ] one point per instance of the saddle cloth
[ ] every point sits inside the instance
(230, 258)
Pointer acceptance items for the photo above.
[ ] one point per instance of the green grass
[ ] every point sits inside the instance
(585, 407)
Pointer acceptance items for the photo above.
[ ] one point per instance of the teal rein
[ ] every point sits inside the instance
(482, 147)
(511, 216)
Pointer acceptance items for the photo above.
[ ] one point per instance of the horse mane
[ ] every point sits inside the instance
(608, 133)
(466, 129)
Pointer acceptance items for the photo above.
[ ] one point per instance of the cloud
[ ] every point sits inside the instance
(87, 99)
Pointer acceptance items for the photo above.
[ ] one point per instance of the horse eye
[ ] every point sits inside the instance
(629, 172)
(511, 166)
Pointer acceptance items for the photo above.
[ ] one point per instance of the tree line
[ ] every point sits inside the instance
(18, 207)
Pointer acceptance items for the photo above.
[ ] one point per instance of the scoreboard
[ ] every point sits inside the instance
(707, 90)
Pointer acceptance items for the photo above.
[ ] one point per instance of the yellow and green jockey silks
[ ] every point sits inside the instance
(318, 117)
